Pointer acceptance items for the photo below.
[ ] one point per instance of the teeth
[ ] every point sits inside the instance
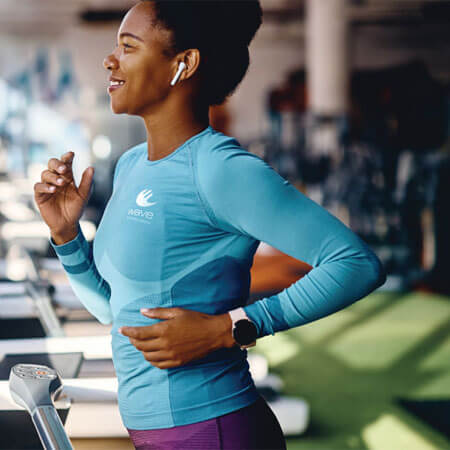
(116, 83)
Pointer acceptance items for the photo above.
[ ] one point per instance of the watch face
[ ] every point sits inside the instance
(244, 332)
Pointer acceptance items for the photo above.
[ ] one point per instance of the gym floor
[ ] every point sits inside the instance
(369, 372)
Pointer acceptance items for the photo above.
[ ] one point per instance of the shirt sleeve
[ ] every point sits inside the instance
(244, 195)
(78, 261)
(94, 292)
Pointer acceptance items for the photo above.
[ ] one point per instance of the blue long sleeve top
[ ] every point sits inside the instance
(182, 232)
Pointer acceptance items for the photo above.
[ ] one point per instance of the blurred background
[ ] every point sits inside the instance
(347, 99)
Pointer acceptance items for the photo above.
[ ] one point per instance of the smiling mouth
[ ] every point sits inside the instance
(115, 84)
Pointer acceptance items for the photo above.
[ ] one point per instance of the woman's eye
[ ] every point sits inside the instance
(127, 45)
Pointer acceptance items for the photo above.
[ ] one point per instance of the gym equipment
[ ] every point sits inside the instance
(90, 401)
(28, 301)
(73, 357)
(33, 386)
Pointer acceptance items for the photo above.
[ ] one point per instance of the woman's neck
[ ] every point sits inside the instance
(165, 133)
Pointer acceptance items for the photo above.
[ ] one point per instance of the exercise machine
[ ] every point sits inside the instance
(33, 386)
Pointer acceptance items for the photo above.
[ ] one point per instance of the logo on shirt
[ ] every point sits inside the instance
(143, 197)
(142, 200)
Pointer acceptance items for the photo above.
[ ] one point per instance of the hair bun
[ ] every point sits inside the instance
(241, 19)
(217, 22)
(237, 21)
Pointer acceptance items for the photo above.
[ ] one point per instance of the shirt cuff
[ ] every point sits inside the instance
(76, 252)
(257, 313)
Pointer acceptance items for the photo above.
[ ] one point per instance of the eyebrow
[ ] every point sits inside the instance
(131, 35)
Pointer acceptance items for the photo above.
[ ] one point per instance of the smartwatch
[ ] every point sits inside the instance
(244, 331)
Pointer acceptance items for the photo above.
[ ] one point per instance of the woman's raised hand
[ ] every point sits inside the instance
(59, 200)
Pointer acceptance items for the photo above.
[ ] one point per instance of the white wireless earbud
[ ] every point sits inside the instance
(181, 67)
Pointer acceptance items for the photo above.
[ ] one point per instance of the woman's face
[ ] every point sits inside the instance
(140, 73)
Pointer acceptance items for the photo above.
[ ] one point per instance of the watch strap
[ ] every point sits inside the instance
(236, 315)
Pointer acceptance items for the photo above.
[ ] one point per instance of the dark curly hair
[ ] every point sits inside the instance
(221, 30)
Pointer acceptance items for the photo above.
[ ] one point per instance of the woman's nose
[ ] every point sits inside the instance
(110, 62)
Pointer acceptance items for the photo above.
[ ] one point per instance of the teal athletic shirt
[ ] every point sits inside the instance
(182, 232)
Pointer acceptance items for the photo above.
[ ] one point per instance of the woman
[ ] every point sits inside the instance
(187, 212)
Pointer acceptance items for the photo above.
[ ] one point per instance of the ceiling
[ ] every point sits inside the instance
(32, 16)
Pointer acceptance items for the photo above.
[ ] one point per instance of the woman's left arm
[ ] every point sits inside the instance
(247, 196)
(243, 195)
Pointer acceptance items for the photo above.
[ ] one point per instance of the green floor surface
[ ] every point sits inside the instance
(352, 366)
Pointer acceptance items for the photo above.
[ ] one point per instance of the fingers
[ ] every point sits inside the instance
(62, 166)
(145, 332)
(59, 174)
(44, 188)
(67, 158)
(154, 352)
(86, 182)
(162, 360)
(147, 346)
(54, 179)
(155, 356)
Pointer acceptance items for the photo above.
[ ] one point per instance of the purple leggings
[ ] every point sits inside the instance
(254, 427)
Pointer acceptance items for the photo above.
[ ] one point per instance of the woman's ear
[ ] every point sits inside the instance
(192, 61)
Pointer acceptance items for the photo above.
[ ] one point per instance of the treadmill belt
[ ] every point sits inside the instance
(21, 328)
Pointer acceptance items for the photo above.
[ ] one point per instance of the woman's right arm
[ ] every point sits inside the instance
(61, 205)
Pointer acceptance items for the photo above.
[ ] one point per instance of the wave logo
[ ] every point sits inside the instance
(143, 198)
